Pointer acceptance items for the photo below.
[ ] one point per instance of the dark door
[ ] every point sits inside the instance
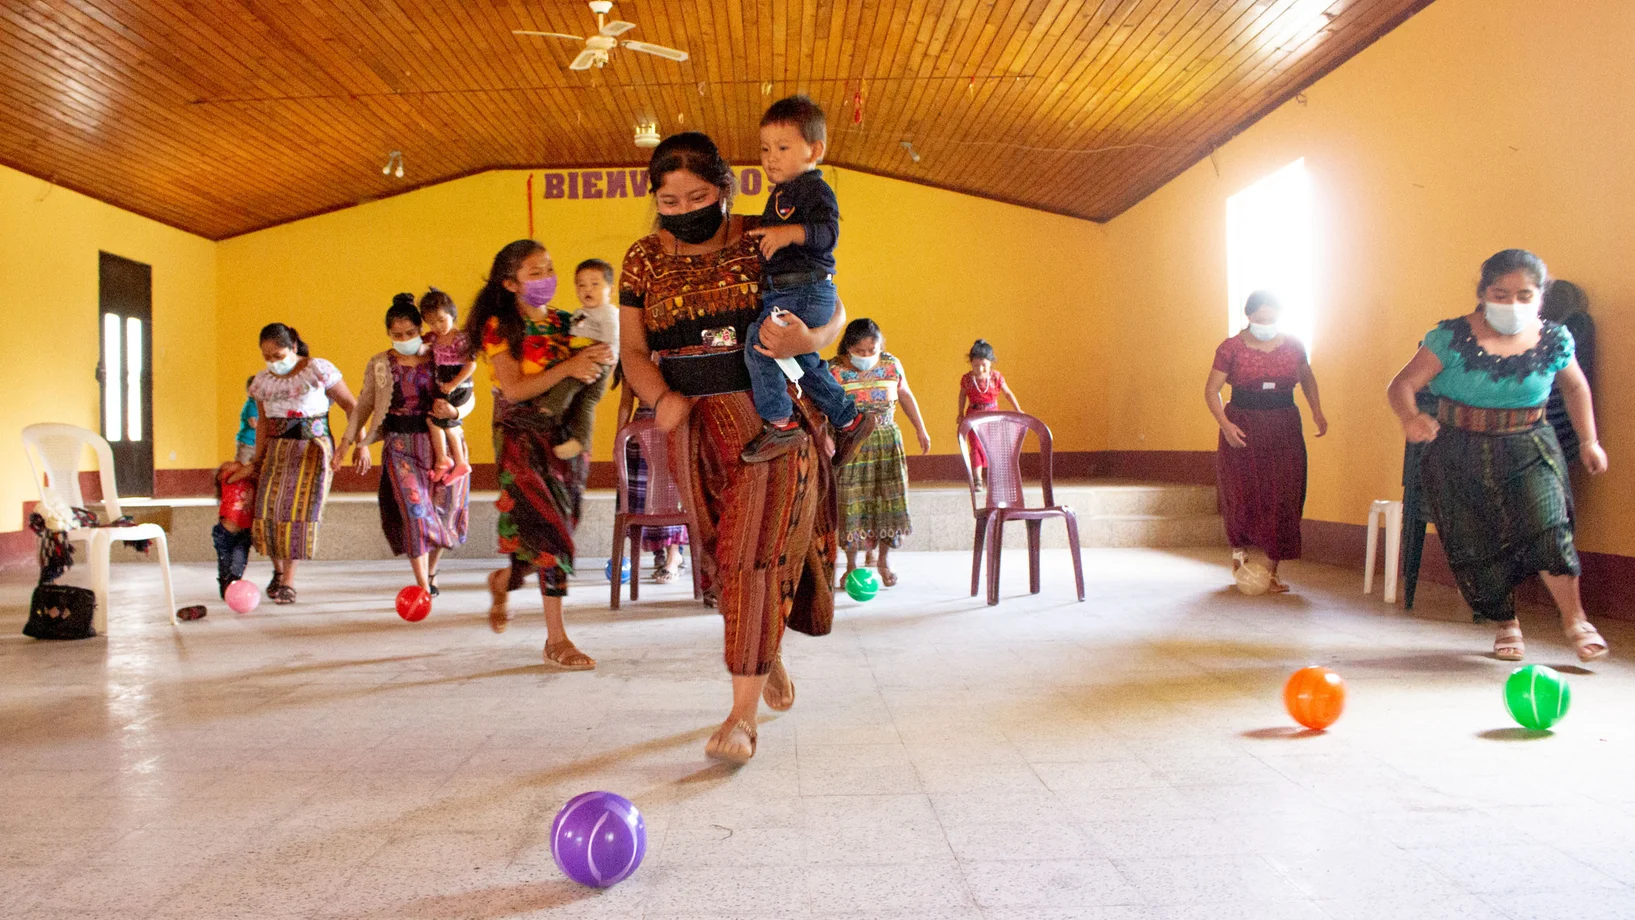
(126, 371)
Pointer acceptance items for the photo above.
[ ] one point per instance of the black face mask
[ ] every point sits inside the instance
(694, 226)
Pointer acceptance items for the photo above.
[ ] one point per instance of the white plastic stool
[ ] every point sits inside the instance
(1393, 546)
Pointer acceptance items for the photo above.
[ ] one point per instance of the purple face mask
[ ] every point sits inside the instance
(538, 292)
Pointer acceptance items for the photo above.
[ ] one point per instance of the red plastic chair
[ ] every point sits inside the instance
(664, 506)
(1001, 435)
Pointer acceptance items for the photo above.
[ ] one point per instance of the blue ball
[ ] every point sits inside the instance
(624, 572)
(598, 839)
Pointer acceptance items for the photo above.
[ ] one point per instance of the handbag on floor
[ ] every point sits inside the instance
(60, 612)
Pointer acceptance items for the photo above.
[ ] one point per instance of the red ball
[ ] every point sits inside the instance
(1314, 696)
(413, 603)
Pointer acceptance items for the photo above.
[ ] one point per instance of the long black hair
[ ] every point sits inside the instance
(694, 152)
(402, 308)
(859, 330)
(284, 337)
(495, 302)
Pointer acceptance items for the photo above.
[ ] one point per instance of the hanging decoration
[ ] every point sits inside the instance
(857, 105)
(530, 205)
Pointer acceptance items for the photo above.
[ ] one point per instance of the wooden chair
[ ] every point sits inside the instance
(1001, 501)
(665, 505)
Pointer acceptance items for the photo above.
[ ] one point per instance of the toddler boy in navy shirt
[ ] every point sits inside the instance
(798, 232)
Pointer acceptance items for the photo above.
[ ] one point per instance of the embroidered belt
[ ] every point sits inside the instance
(1488, 421)
(1245, 398)
(704, 373)
(301, 429)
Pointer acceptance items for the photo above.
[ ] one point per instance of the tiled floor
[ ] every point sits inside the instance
(1123, 759)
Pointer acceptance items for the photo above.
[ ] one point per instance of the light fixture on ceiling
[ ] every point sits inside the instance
(912, 153)
(394, 159)
(647, 134)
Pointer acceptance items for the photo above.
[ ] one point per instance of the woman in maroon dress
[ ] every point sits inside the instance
(1260, 462)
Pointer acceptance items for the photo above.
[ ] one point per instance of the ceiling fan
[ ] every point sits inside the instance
(606, 39)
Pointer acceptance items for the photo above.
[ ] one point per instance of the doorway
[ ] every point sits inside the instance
(125, 370)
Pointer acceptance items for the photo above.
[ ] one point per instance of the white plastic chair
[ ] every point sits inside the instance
(54, 450)
(1392, 512)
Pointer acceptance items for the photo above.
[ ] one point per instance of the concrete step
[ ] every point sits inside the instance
(1114, 514)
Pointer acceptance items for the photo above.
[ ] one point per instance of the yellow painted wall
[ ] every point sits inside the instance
(934, 268)
(1476, 126)
(49, 240)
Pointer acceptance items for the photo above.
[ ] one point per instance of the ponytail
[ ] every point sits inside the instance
(285, 337)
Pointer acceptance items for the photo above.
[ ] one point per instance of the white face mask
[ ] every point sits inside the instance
(408, 348)
(283, 365)
(1510, 318)
(865, 364)
(1263, 331)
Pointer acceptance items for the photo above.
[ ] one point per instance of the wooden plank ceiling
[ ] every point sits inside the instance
(225, 116)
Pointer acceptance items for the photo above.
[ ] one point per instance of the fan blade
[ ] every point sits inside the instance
(659, 50)
(547, 34)
(586, 60)
(617, 28)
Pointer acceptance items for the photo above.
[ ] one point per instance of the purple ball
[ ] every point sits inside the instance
(598, 839)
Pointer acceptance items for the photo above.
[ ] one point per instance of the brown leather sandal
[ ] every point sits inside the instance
(725, 744)
(779, 692)
(499, 613)
(567, 657)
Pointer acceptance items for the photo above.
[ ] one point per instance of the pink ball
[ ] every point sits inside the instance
(243, 597)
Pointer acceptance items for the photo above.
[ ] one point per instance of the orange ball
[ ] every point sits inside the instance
(1315, 697)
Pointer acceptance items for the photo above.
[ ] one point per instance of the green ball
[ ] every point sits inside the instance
(861, 585)
(1537, 696)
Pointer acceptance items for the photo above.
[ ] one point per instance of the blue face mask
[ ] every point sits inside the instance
(408, 348)
(865, 364)
(1265, 332)
(284, 365)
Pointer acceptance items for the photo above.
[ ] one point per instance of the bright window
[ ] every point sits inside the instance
(1269, 245)
(113, 423)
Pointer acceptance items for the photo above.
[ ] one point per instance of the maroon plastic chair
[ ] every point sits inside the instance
(1001, 435)
(664, 506)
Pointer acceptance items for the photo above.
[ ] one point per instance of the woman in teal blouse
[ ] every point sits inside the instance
(1494, 477)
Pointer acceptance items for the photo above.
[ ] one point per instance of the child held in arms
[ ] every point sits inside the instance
(597, 320)
(798, 232)
(454, 365)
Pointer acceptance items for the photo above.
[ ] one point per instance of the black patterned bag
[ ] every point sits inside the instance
(61, 612)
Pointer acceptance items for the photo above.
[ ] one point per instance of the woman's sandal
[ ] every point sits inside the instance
(726, 744)
(841, 585)
(282, 593)
(1276, 587)
(1239, 560)
(779, 692)
(887, 576)
(565, 656)
(1508, 645)
(499, 613)
(1584, 637)
(663, 575)
(431, 585)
